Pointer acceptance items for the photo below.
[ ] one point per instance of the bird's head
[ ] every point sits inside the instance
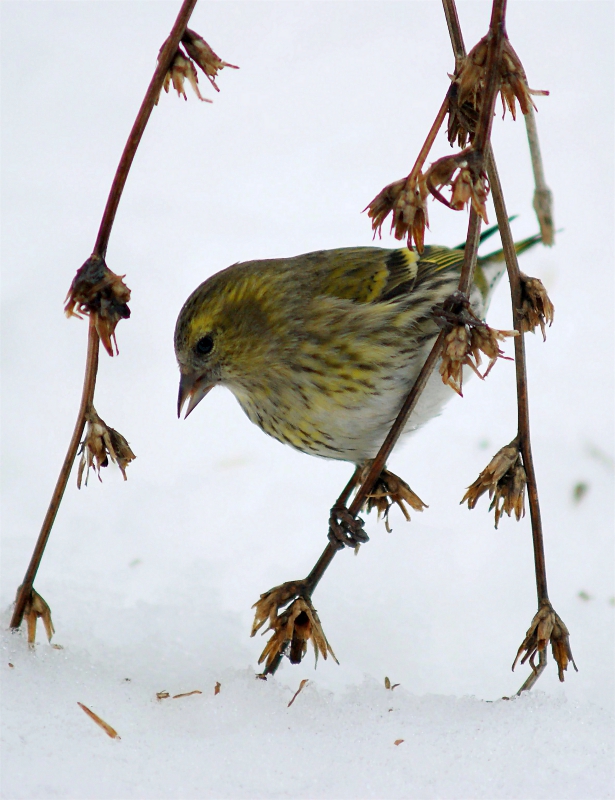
(224, 334)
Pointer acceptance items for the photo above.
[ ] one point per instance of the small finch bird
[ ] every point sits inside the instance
(321, 349)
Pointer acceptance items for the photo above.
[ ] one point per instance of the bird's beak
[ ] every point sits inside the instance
(193, 388)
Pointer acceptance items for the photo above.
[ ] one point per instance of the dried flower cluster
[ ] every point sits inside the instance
(547, 627)
(101, 443)
(391, 490)
(406, 200)
(463, 345)
(292, 630)
(182, 67)
(466, 178)
(468, 85)
(536, 307)
(102, 295)
(36, 608)
(505, 480)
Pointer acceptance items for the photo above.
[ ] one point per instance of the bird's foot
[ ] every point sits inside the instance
(391, 490)
(292, 628)
(345, 530)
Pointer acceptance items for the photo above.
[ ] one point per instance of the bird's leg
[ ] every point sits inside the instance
(298, 622)
(390, 490)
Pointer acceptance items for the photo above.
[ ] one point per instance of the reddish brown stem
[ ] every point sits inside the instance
(428, 144)
(522, 392)
(164, 62)
(378, 463)
(523, 419)
(87, 396)
(165, 57)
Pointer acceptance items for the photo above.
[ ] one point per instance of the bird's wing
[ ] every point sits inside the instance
(377, 275)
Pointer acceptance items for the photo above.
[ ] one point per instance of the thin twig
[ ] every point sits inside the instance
(454, 31)
(512, 266)
(164, 62)
(543, 198)
(428, 143)
(465, 281)
(87, 396)
(520, 367)
(165, 57)
(531, 679)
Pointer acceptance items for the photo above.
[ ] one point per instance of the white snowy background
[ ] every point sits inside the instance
(151, 581)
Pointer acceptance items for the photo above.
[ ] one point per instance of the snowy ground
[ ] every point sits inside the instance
(151, 581)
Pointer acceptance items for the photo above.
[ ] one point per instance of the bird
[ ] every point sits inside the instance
(321, 349)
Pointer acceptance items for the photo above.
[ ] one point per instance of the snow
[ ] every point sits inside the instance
(151, 581)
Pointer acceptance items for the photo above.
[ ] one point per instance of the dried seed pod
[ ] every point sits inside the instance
(514, 83)
(536, 307)
(98, 292)
(36, 608)
(509, 493)
(182, 69)
(100, 443)
(202, 54)
(292, 630)
(391, 490)
(465, 176)
(505, 480)
(468, 89)
(547, 627)
(407, 203)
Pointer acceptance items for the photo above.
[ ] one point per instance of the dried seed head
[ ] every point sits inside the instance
(202, 54)
(509, 493)
(514, 83)
(182, 69)
(456, 354)
(36, 608)
(292, 630)
(536, 308)
(466, 178)
(547, 626)
(406, 201)
(100, 443)
(269, 603)
(505, 480)
(485, 340)
(468, 89)
(101, 294)
(391, 490)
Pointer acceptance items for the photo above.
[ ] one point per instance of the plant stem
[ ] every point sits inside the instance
(543, 199)
(87, 396)
(378, 463)
(428, 144)
(523, 412)
(483, 133)
(514, 278)
(165, 57)
(454, 31)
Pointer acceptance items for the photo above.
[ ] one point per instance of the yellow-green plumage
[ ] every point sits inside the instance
(321, 349)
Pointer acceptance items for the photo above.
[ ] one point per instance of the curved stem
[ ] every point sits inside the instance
(87, 397)
(165, 57)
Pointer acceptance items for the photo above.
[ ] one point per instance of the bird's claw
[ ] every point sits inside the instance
(346, 530)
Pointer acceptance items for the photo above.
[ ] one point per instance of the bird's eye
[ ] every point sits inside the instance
(204, 345)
